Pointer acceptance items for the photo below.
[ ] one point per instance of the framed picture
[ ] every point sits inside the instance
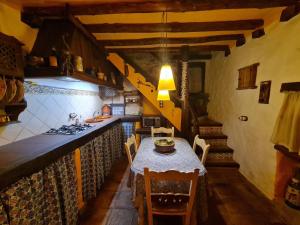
(264, 92)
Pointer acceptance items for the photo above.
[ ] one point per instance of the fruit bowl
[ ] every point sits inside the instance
(164, 145)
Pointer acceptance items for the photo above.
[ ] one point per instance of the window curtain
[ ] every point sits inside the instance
(287, 128)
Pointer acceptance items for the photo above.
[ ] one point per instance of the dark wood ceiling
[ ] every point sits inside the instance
(136, 25)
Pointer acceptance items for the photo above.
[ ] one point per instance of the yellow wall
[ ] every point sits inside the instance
(148, 108)
(278, 53)
(11, 24)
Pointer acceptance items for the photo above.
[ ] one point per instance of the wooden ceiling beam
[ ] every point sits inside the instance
(176, 27)
(153, 41)
(194, 57)
(157, 6)
(289, 12)
(193, 49)
(258, 33)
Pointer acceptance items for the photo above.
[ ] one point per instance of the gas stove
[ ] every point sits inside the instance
(69, 129)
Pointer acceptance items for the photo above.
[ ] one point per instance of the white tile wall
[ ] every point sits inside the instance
(45, 111)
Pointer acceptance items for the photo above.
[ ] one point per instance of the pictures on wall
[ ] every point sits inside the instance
(264, 92)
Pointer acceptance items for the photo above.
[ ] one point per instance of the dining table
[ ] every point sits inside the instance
(183, 159)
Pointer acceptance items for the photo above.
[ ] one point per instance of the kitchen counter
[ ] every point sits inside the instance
(30, 155)
(143, 130)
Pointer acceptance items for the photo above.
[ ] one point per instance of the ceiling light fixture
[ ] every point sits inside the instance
(166, 80)
(163, 95)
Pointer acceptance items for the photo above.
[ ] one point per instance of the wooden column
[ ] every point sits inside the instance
(184, 91)
(79, 181)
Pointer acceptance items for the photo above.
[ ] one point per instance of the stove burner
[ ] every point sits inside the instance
(69, 129)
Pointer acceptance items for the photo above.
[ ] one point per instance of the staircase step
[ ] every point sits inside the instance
(206, 122)
(213, 136)
(220, 149)
(216, 142)
(206, 131)
(222, 163)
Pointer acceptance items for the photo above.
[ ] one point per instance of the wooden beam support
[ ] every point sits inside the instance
(175, 26)
(227, 52)
(289, 12)
(156, 6)
(153, 41)
(199, 48)
(241, 41)
(258, 33)
(193, 57)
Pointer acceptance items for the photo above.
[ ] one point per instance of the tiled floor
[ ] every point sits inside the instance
(233, 201)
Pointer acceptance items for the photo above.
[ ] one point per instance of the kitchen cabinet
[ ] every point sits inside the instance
(66, 36)
(63, 167)
(12, 101)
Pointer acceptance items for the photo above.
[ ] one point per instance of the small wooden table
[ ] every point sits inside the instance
(183, 159)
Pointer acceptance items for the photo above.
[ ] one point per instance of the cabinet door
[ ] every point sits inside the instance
(11, 60)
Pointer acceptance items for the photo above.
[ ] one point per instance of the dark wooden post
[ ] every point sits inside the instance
(185, 91)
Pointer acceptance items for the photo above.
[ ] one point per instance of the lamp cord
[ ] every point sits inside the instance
(164, 37)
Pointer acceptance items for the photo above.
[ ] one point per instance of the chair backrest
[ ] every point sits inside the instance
(128, 147)
(162, 130)
(170, 200)
(205, 147)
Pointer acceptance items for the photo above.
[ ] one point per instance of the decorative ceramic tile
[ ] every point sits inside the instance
(24, 134)
(49, 107)
(44, 90)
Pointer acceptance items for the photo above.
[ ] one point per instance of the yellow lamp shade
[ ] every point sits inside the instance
(166, 80)
(163, 95)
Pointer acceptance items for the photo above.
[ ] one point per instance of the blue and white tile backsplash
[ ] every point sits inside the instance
(48, 106)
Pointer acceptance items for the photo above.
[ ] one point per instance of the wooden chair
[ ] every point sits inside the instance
(205, 147)
(162, 130)
(130, 142)
(172, 204)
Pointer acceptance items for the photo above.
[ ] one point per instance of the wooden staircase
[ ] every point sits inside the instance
(220, 155)
(168, 110)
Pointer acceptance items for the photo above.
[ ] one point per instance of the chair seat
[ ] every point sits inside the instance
(169, 210)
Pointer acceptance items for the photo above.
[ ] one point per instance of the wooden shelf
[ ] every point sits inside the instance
(294, 86)
(51, 72)
(12, 111)
(287, 153)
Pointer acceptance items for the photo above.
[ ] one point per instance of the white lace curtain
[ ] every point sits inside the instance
(287, 128)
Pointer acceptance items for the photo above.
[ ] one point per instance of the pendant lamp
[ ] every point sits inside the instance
(163, 95)
(166, 79)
